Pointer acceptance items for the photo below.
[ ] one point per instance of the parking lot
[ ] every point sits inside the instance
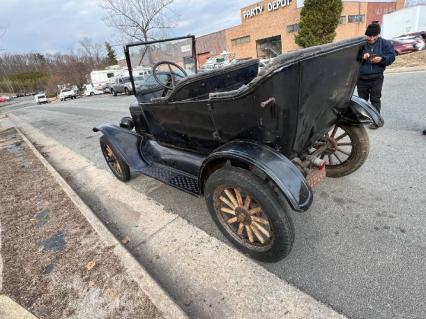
(360, 248)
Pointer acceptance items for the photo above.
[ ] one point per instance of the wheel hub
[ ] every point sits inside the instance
(243, 215)
(331, 144)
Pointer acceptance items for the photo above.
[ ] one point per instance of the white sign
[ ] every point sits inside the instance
(272, 6)
(185, 48)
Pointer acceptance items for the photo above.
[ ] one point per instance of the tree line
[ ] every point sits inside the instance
(137, 20)
(31, 72)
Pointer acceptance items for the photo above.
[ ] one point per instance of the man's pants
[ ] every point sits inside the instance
(371, 89)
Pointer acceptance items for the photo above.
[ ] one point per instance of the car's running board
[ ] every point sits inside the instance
(173, 177)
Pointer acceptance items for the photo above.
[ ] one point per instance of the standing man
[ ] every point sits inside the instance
(377, 54)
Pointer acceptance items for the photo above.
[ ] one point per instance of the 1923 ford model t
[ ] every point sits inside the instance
(252, 142)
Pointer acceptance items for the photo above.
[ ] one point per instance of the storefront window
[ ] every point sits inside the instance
(269, 47)
(342, 20)
(356, 18)
(293, 28)
(241, 40)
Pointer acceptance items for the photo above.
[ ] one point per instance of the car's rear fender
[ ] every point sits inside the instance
(279, 169)
(125, 142)
(360, 111)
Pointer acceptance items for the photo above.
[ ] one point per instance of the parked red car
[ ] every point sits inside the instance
(403, 48)
(2, 99)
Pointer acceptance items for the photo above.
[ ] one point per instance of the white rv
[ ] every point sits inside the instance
(99, 78)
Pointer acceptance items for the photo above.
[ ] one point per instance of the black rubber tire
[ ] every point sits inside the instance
(125, 176)
(126, 91)
(113, 92)
(92, 93)
(262, 192)
(359, 154)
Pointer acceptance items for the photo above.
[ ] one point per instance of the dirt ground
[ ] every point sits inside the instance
(415, 59)
(54, 263)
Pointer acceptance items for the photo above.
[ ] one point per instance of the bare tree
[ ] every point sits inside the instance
(141, 20)
(92, 50)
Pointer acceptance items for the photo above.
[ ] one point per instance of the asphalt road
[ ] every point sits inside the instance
(361, 247)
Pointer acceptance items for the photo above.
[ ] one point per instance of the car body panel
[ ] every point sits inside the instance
(294, 102)
(285, 175)
(361, 112)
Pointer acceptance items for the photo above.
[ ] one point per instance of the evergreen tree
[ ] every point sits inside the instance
(318, 22)
(111, 57)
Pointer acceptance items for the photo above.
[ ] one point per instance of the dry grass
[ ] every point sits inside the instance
(411, 60)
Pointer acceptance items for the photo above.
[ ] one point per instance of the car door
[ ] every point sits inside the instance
(120, 85)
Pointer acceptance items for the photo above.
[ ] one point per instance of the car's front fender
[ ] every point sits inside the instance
(125, 142)
(273, 164)
(360, 111)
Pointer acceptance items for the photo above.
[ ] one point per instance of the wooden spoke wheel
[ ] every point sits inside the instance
(248, 212)
(244, 217)
(116, 164)
(346, 149)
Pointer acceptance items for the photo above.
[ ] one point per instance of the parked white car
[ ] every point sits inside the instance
(66, 94)
(41, 98)
(90, 90)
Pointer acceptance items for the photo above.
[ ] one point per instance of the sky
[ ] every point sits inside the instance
(50, 26)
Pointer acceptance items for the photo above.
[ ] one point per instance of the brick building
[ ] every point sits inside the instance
(268, 27)
(210, 45)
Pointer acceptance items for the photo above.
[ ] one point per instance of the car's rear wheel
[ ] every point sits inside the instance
(347, 149)
(126, 91)
(92, 93)
(248, 212)
(115, 162)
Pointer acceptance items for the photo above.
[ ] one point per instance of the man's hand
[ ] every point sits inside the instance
(366, 56)
(376, 59)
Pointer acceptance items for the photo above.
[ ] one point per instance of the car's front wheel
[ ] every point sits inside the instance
(248, 212)
(113, 92)
(115, 162)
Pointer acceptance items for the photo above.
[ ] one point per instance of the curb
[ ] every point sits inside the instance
(9, 309)
(405, 70)
(148, 285)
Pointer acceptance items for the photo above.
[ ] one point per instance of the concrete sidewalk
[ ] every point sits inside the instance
(9, 309)
(206, 277)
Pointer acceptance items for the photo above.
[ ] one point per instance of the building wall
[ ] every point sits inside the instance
(210, 45)
(400, 4)
(275, 23)
(376, 10)
(352, 29)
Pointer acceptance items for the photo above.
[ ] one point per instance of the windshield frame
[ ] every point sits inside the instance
(129, 45)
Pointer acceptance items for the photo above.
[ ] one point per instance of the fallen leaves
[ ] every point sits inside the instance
(90, 265)
(125, 240)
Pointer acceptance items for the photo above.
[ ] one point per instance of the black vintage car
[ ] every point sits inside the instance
(252, 143)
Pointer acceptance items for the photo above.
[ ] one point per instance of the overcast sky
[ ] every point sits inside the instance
(50, 26)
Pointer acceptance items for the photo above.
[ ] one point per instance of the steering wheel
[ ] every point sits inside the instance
(171, 83)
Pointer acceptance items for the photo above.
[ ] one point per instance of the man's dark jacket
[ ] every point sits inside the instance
(382, 48)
